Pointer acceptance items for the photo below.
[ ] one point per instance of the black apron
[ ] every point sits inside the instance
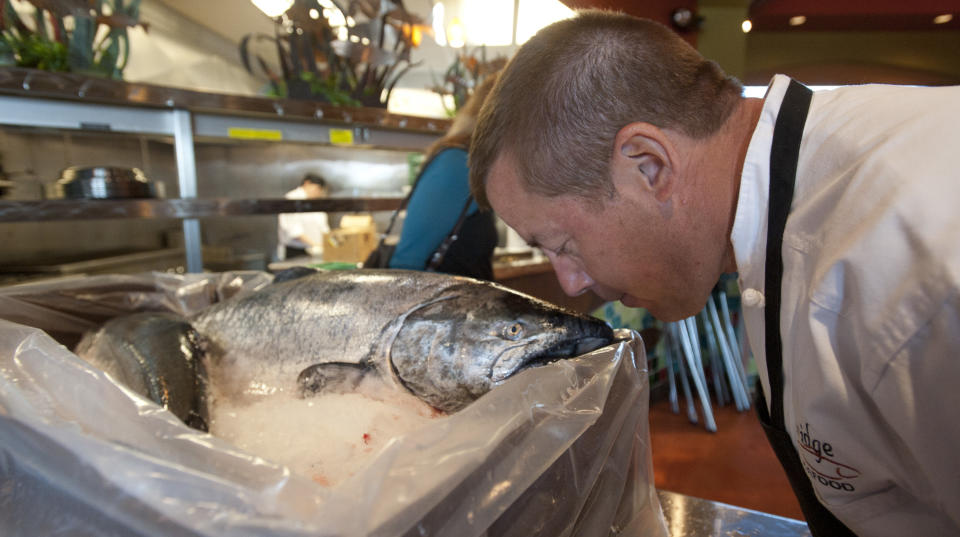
(470, 253)
(785, 150)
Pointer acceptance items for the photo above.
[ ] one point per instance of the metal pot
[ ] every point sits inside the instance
(104, 182)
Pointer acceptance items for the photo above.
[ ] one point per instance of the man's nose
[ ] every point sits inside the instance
(573, 280)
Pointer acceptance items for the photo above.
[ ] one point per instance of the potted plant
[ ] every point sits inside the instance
(467, 71)
(78, 36)
(344, 53)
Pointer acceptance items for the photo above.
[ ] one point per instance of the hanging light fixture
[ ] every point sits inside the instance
(456, 37)
(439, 34)
(685, 20)
(273, 8)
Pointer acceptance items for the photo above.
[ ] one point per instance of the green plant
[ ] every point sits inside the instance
(466, 72)
(355, 60)
(81, 36)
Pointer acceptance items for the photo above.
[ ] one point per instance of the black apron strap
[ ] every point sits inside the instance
(784, 154)
(436, 258)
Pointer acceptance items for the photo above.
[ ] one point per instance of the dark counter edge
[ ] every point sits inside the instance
(81, 88)
(53, 210)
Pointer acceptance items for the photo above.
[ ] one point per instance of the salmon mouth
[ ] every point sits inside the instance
(566, 349)
(560, 350)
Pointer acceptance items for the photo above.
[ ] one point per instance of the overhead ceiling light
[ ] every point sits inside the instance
(681, 17)
(943, 19)
(797, 20)
(746, 26)
(456, 37)
(273, 8)
(438, 33)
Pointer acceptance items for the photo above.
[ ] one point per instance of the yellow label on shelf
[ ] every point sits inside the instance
(341, 136)
(241, 133)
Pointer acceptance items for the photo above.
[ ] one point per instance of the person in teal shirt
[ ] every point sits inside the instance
(437, 201)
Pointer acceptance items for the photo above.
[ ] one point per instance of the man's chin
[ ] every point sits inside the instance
(665, 314)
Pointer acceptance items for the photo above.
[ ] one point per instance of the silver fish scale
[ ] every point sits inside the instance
(442, 337)
(337, 316)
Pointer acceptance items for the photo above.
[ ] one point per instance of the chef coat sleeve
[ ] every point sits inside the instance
(291, 226)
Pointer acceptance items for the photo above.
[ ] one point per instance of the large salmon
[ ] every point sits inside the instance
(446, 339)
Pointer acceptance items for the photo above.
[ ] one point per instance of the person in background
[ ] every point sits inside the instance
(438, 199)
(301, 234)
(642, 172)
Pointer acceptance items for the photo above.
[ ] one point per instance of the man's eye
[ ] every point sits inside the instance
(513, 332)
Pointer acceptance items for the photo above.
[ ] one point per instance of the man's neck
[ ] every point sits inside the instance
(728, 151)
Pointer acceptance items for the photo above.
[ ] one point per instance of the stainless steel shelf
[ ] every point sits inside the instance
(79, 89)
(54, 210)
(219, 127)
(32, 98)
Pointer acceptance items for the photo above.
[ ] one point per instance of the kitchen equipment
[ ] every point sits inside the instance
(104, 182)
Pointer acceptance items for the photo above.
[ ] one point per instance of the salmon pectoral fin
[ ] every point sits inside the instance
(331, 377)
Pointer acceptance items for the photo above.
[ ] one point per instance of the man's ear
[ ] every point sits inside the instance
(643, 154)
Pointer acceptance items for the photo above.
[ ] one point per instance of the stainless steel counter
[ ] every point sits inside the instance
(695, 517)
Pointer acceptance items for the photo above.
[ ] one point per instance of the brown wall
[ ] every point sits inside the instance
(855, 57)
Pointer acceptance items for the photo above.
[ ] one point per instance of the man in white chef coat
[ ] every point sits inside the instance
(638, 168)
(301, 234)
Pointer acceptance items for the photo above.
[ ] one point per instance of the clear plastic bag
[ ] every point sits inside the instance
(558, 450)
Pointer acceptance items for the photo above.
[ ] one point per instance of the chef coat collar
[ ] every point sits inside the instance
(749, 233)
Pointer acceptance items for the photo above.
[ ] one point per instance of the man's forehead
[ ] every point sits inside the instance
(503, 181)
(529, 214)
(504, 165)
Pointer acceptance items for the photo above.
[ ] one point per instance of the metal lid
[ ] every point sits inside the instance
(104, 182)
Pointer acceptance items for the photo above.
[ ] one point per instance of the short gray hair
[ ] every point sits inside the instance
(561, 100)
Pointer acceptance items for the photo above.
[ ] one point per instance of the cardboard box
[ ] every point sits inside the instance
(352, 242)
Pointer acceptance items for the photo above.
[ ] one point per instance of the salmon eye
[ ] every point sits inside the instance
(513, 332)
